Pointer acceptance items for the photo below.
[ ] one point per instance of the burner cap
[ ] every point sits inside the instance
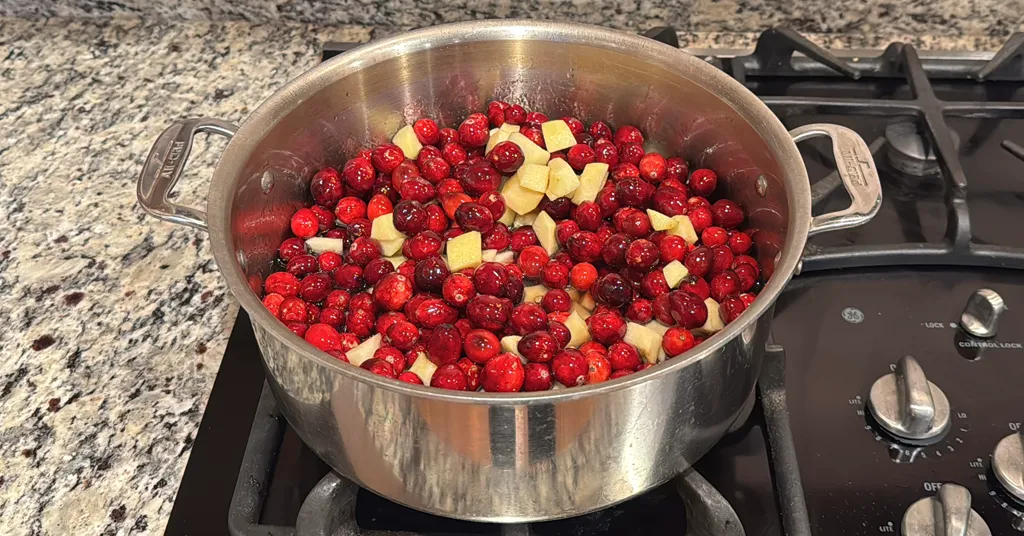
(910, 150)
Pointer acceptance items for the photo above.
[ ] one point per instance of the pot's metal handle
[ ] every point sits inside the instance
(164, 166)
(857, 170)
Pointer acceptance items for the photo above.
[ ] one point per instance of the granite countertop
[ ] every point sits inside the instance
(116, 322)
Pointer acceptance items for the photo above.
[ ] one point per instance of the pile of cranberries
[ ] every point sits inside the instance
(608, 249)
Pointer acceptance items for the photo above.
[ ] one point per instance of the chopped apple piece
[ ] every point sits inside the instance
(519, 199)
(579, 333)
(588, 302)
(391, 247)
(509, 217)
(383, 228)
(364, 350)
(505, 257)
(488, 255)
(684, 229)
(562, 180)
(646, 341)
(423, 367)
(580, 310)
(511, 344)
(675, 272)
(319, 244)
(464, 251)
(532, 152)
(594, 175)
(714, 322)
(659, 221)
(397, 260)
(497, 136)
(509, 128)
(406, 140)
(574, 294)
(534, 293)
(545, 229)
(533, 177)
(557, 135)
(523, 220)
(657, 327)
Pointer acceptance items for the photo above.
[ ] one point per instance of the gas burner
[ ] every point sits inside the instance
(910, 151)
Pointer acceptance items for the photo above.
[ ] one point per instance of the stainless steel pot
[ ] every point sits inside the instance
(508, 457)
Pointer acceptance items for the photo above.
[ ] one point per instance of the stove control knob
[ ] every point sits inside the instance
(948, 513)
(909, 406)
(981, 314)
(1008, 464)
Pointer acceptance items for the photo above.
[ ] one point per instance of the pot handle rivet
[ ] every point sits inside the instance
(165, 164)
(857, 170)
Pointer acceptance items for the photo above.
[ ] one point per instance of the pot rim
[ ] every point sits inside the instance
(282, 102)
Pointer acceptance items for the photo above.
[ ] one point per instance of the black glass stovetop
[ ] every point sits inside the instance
(842, 324)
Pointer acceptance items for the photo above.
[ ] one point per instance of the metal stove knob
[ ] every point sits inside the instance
(1008, 464)
(948, 513)
(908, 406)
(981, 314)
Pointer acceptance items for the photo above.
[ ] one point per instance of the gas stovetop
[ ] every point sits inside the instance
(845, 436)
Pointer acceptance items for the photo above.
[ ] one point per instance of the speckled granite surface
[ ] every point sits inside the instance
(116, 323)
(976, 18)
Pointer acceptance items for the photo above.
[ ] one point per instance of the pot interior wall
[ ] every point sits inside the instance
(679, 113)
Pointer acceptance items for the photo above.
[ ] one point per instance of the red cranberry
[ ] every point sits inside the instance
(410, 218)
(696, 285)
(273, 303)
(714, 236)
(402, 335)
(314, 287)
(293, 310)
(653, 167)
(561, 333)
(538, 346)
(474, 217)
(677, 340)
(623, 171)
(480, 177)
(302, 265)
(393, 292)
(457, 290)
(634, 192)
(452, 201)
(363, 300)
(348, 341)
(731, 308)
(721, 259)
(449, 377)
(614, 251)
(726, 213)
(605, 152)
(588, 216)
(453, 153)
(634, 223)
(663, 310)
(584, 246)
(298, 328)
(703, 182)
(514, 288)
(688, 310)
(536, 118)
(490, 278)
(537, 377)
(622, 356)
(409, 377)
(503, 374)
(359, 175)
(606, 327)
(533, 134)
(579, 156)
(672, 248)
(598, 368)
(363, 250)
(676, 169)
(417, 189)
(426, 131)
(556, 300)
(433, 312)
(569, 367)
(631, 153)
(449, 186)
(304, 223)
(291, 248)
(747, 276)
(506, 157)
(435, 169)
(698, 261)
(385, 320)
(642, 254)
(527, 318)
(522, 238)
(654, 284)
(328, 261)
(700, 218)
(613, 290)
(515, 114)
(386, 157)
(473, 134)
(326, 187)
(747, 298)
(600, 130)
(628, 134)
(559, 209)
(499, 238)
(323, 337)
(448, 135)
(282, 283)
(324, 217)
(481, 345)
(358, 228)
(408, 269)
(444, 345)
(669, 201)
(740, 243)
(724, 285)
(379, 205)
(392, 356)
(472, 371)
(430, 274)
(640, 311)
(488, 312)
(555, 275)
(405, 171)
(564, 230)
(422, 246)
